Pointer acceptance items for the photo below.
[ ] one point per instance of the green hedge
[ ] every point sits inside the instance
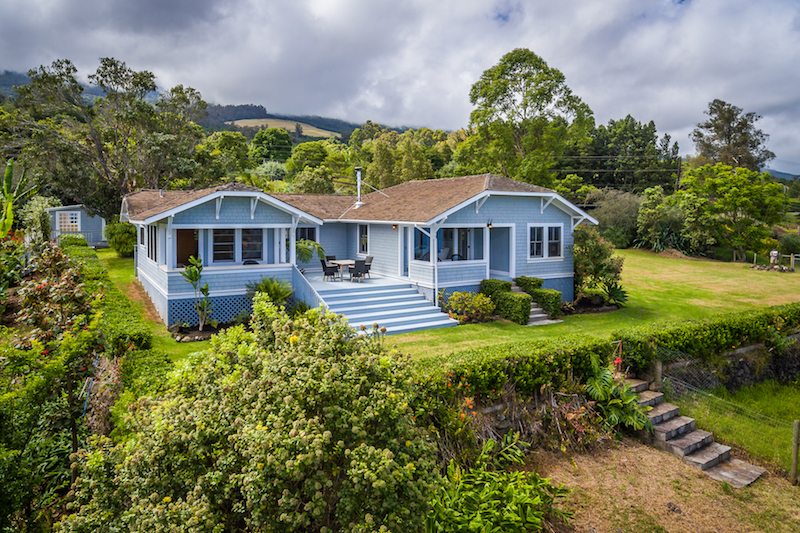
(528, 366)
(122, 323)
(528, 284)
(514, 306)
(491, 286)
(702, 338)
(548, 299)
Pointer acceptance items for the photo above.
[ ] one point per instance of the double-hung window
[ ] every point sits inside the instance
(152, 242)
(309, 234)
(224, 244)
(363, 239)
(545, 241)
(252, 244)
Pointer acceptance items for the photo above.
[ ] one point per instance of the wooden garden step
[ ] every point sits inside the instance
(662, 412)
(673, 427)
(688, 443)
(709, 456)
(651, 398)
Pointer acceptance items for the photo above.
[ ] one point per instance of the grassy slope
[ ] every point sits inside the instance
(120, 271)
(658, 288)
(308, 129)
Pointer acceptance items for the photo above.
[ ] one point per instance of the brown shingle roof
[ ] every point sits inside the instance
(414, 201)
(324, 206)
(422, 201)
(150, 202)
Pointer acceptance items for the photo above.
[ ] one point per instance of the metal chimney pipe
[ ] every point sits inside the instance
(358, 203)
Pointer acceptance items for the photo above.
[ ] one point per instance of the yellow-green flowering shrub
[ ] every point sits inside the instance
(299, 425)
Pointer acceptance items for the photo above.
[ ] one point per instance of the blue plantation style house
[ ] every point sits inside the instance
(423, 237)
(74, 220)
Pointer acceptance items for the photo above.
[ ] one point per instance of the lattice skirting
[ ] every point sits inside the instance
(225, 308)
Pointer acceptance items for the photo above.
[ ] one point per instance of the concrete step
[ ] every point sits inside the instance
(365, 315)
(662, 412)
(447, 322)
(673, 427)
(709, 456)
(537, 315)
(637, 384)
(735, 472)
(689, 442)
(372, 292)
(651, 398)
(432, 315)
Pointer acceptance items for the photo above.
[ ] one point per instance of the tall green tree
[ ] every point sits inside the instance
(743, 204)
(730, 137)
(98, 150)
(307, 155)
(526, 117)
(270, 144)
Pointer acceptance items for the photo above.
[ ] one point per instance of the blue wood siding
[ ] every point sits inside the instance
(234, 211)
(383, 247)
(455, 273)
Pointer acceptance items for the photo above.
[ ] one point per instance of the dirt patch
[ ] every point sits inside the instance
(136, 293)
(632, 487)
(675, 254)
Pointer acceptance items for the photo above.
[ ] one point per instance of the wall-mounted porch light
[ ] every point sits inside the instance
(489, 225)
(394, 226)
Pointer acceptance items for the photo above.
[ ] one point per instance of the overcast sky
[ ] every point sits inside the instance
(412, 62)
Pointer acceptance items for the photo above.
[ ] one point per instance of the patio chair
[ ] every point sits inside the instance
(328, 271)
(457, 257)
(330, 258)
(368, 264)
(358, 270)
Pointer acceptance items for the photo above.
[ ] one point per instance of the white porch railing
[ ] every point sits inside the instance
(303, 289)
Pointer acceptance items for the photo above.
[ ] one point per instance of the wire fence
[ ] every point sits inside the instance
(697, 389)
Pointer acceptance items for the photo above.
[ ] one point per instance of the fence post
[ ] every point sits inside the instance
(658, 372)
(795, 442)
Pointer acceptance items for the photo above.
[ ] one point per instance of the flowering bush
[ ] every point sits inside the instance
(300, 425)
(467, 307)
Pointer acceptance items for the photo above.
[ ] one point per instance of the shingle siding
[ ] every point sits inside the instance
(234, 211)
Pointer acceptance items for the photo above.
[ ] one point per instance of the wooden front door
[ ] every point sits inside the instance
(186, 246)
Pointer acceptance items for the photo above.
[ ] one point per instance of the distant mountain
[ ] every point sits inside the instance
(781, 175)
(218, 115)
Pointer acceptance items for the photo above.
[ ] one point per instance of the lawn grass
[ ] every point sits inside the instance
(757, 418)
(120, 271)
(658, 288)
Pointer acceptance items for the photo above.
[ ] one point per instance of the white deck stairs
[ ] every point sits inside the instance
(399, 308)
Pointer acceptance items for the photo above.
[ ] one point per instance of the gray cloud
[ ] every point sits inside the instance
(412, 63)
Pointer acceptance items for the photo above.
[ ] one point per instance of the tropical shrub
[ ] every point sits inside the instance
(298, 426)
(660, 223)
(468, 307)
(202, 303)
(595, 264)
(277, 290)
(121, 236)
(617, 403)
(616, 215)
(490, 497)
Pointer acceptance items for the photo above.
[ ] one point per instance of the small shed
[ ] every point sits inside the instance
(74, 220)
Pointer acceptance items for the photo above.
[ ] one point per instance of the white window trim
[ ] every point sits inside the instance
(358, 240)
(315, 228)
(545, 243)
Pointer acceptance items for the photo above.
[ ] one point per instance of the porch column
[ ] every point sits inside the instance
(169, 254)
(487, 249)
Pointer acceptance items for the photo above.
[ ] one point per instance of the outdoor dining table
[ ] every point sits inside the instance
(342, 263)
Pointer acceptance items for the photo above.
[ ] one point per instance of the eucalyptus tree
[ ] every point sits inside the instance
(525, 117)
